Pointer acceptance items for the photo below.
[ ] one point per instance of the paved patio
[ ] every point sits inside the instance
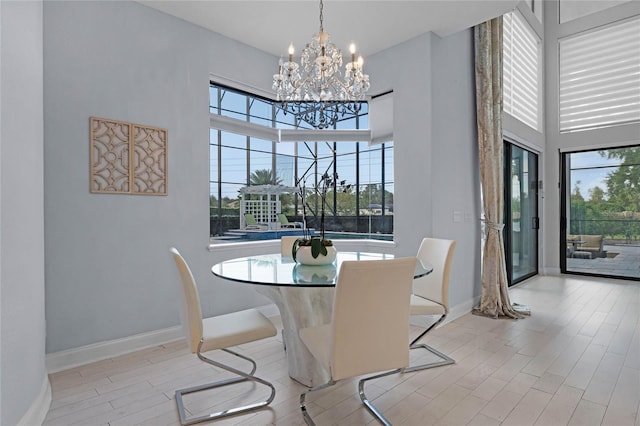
(625, 263)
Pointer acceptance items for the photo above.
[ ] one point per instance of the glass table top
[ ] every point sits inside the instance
(278, 270)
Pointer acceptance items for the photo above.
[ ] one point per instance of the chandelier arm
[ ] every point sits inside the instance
(339, 82)
(302, 83)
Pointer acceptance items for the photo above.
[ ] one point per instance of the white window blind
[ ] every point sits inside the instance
(521, 70)
(600, 77)
(381, 119)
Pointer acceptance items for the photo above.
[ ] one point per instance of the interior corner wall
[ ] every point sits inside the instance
(109, 274)
(435, 150)
(22, 345)
(455, 163)
(412, 141)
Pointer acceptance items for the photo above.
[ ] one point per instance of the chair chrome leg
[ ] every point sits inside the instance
(305, 415)
(363, 397)
(231, 411)
(446, 360)
(253, 363)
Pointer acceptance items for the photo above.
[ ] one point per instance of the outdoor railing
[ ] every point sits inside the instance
(614, 231)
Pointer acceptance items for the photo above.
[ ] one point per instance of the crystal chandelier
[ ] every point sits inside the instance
(313, 90)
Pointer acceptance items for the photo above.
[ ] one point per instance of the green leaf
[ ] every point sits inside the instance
(317, 247)
(294, 249)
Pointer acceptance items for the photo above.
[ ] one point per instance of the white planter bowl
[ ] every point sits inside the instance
(304, 257)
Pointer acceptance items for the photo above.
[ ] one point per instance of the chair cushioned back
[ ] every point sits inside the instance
(286, 244)
(235, 328)
(370, 324)
(435, 286)
(191, 312)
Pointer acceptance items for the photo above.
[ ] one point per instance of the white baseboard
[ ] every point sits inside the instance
(462, 308)
(64, 360)
(552, 271)
(454, 313)
(39, 407)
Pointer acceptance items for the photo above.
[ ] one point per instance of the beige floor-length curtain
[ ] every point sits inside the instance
(494, 301)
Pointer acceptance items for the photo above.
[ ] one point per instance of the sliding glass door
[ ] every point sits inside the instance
(521, 213)
(600, 232)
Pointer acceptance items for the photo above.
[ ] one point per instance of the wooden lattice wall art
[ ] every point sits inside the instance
(127, 158)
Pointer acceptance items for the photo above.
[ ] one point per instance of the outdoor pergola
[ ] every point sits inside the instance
(267, 207)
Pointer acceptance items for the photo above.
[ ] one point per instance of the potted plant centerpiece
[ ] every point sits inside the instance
(312, 249)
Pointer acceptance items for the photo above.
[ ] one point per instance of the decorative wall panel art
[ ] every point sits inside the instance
(127, 158)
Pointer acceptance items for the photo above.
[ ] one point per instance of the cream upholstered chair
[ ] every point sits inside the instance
(218, 332)
(431, 293)
(369, 329)
(286, 245)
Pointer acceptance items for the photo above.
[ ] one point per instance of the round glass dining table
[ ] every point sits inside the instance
(278, 270)
(303, 295)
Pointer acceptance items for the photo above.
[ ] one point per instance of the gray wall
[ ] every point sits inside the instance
(22, 345)
(454, 165)
(108, 271)
(435, 149)
(412, 119)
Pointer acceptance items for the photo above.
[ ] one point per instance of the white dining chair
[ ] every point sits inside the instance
(431, 294)
(219, 332)
(286, 245)
(369, 329)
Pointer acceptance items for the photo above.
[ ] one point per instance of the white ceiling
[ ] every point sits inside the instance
(373, 25)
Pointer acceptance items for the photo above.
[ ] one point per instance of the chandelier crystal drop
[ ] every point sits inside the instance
(314, 90)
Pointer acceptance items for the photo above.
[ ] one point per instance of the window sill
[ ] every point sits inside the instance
(345, 245)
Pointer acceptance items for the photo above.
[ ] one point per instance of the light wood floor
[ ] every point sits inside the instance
(575, 361)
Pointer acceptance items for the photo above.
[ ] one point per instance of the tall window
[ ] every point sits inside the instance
(601, 212)
(522, 53)
(361, 203)
(599, 77)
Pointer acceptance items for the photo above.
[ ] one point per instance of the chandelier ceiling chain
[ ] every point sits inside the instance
(314, 90)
